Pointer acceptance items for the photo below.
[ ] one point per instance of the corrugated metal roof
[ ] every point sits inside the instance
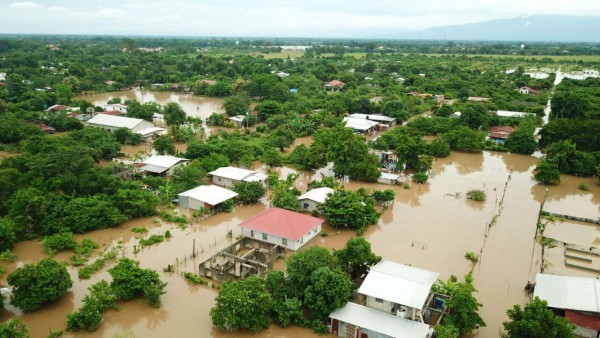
(379, 321)
(318, 195)
(163, 161)
(399, 283)
(210, 194)
(232, 173)
(154, 130)
(154, 169)
(373, 117)
(359, 124)
(282, 223)
(388, 176)
(506, 113)
(567, 292)
(114, 121)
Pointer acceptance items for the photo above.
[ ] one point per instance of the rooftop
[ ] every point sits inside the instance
(507, 113)
(163, 161)
(282, 223)
(210, 194)
(115, 121)
(379, 321)
(318, 195)
(399, 283)
(359, 124)
(373, 117)
(567, 292)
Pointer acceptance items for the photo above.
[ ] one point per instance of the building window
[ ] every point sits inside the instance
(379, 300)
(251, 233)
(264, 237)
(305, 205)
(284, 241)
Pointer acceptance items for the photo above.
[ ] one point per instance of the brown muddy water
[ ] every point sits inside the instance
(430, 226)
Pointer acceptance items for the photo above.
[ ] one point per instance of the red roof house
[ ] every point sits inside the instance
(282, 227)
(335, 84)
(500, 133)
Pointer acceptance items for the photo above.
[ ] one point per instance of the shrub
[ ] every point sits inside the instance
(193, 278)
(59, 242)
(87, 271)
(473, 257)
(154, 239)
(384, 195)
(139, 230)
(583, 186)
(420, 177)
(477, 195)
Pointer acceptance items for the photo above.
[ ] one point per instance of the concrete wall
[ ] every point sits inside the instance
(224, 182)
(311, 205)
(385, 306)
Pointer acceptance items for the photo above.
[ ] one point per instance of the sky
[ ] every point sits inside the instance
(271, 18)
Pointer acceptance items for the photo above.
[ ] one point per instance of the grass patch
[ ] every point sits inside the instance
(173, 217)
(83, 252)
(473, 257)
(8, 256)
(476, 195)
(87, 271)
(59, 242)
(140, 230)
(583, 186)
(154, 239)
(193, 278)
(324, 234)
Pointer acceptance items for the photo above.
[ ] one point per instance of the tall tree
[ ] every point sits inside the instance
(536, 320)
(328, 290)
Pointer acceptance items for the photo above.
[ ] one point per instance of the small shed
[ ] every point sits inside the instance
(205, 196)
(282, 227)
(228, 176)
(312, 199)
(387, 178)
(362, 126)
(162, 165)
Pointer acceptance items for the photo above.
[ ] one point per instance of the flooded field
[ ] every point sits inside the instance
(430, 226)
(196, 106)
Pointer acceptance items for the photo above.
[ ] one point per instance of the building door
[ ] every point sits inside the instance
(334, 326)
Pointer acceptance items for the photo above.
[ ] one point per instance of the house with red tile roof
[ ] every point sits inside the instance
(335, 84)
(500, 134)
(282, 227)
(528, 90)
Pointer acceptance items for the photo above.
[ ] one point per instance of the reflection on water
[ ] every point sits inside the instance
(430, 227)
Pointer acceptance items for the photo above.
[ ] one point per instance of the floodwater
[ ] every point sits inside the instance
(431, 226)
(196, 106)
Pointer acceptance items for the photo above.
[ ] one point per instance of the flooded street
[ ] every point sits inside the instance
(430, 226)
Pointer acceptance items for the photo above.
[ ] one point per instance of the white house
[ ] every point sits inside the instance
(228, 176)
(238, 120)
(162, 165)
(112, 123)
(397, 298)
(282, 227)
(2, 76)
(507, 113)
(362, 126)
(311, 200)
(205, 196)
(151, 133)
(577, 297)
(116, 107)
(387, 178)
(381, 119)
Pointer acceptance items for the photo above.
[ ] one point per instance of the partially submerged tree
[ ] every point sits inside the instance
(328, 290)
(547, 173)
(356, 257)
(463, 306)
(349, 209)
(130, 281)
(536, 320)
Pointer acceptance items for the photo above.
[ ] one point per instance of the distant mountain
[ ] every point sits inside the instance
(532, 28)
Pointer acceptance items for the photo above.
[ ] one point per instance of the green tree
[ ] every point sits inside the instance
(301, 265)
(463, 138)
(420, 177)
(130, 281)
(439, 148)
(462, 305)
(174, 114)
(356, 257)
(134, 201)
(349, 209)
(35, 285)
(446, 331)
(13, 329)
(236, 105)
(245, 304)
(547, 173)
(99, 299)
(189, 176)
(521, 141)
(165, 145)
(395, 108)
(328, 290)
(536, 320)
(8, 238)
(249, 192)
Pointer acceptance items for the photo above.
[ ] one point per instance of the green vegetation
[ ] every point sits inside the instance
(153, 239)
(473, 257)
(35, 285)
(130, 281)
(349, 209)
(99, 299)
(87, 271)
(249, 192)
(193, 278)
(536, 320)
(547, 173)
(462, 305)
(13, 329)
(173, 217)
(139, 230)
(476, 195)
(59, 242)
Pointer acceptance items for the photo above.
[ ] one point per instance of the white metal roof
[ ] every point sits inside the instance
(154, 169)
(115, 121)
(380, 321)
(388, 176)
(210, 194)
(318, 195)
(239, 118)
(163, 161)
(567, 292)
(148, 131)
(255, 177)
(399, 283)
(359, 124)
(373, 117)
(232, 173)
(506, 113)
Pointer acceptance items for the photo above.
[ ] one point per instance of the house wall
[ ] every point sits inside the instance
(385, 306)
(584, 332)
(311, 205)
(143, 125)
(223, 182)
(291, 244)
(111, 107)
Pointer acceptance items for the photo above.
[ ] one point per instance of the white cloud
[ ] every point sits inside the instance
(23, 5)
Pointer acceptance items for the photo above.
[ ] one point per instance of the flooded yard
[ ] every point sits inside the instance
(430, 226)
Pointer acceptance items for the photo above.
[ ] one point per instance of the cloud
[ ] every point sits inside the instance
(23, 5)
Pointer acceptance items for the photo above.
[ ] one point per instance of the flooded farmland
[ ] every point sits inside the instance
(431, 226)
